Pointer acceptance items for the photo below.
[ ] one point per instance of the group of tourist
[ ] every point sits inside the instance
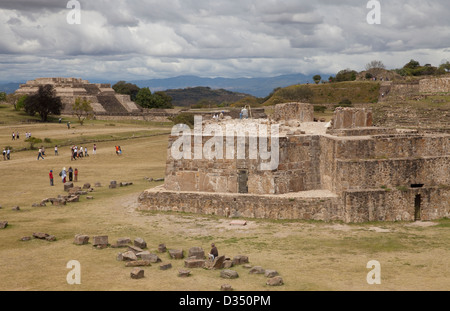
(218, 116)
(78, 153)
(15, 135)
(71, 174)
(6, 154)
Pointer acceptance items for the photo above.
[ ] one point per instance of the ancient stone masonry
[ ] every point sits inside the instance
(104, 99)
(348, 171)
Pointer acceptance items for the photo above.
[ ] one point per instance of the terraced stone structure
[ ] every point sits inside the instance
(103, 98)
(348, 170)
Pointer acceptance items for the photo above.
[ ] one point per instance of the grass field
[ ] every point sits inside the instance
(308, 255)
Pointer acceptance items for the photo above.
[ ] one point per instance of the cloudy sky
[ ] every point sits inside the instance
(143, 39)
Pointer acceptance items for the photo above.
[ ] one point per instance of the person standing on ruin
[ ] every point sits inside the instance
(50, 175)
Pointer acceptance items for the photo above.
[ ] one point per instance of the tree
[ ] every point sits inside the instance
(125, 88)
(2, 97)
(44, 103)
(346, 75)
(82, 109)
(144, 97)
(317, 79)
(375, 68)
(159, 100)
(412, 64)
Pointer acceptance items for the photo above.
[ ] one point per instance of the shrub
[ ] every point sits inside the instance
(320, 109)
(184, 118)
(47, 140)
(344, 103)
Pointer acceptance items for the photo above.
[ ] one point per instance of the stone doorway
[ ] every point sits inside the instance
(417, 207)
(243, 181)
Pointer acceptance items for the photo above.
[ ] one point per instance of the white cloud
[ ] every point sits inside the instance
(124, 39)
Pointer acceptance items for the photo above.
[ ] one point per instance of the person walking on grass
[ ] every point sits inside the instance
(86, 152)
(50, 175)
(13, 136)
(56, 151)
(40, 154)
(95, 149)
(76, 174)
(8, 154)
(17, 135)
(4, 154)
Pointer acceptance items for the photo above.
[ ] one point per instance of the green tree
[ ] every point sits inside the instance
(144, 98)
(162, 101)
(317, 79)
(412, 64)
(346, 75)
(2, 97)
(82, 109)
(125, 88)
(44, 102)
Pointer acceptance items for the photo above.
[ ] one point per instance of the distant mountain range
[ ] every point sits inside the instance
(259, 87)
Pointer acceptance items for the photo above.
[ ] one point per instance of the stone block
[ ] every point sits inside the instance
(138, 263)
(270, 273)
(137, 273)
(68, 186)
(275, 281)
(100, 240)
(184, 273)
(139, 242)
(196, 252)
(257, 270)
(165, 266)
(81, 239)
(240, 259)
(3, 224)
(229, 274)
(176, 253)
(194, 263)
(226, 288)
(162, 248)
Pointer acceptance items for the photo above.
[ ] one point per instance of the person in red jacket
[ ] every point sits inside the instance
(50, 175)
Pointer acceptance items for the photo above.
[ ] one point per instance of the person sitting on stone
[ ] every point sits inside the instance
(214, 252)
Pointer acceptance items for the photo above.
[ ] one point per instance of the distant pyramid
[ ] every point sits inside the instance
(104, 100)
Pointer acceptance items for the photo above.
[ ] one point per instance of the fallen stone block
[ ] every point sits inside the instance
(270, 273)
(122, 242)
(226, 288)
(165, 266)
(73, 199)
(3, 224)
(89, 198)
(196, 252)
(40, 235)
(176, 253)
(128, 256)
(275, 281)
(100, 240)
(149, 257)
(87, 186)
(139, 242)
(227, 264)
(194, 263)
(137, 273)
(16, 208)
(240, 259)
(162, 248)
(257, 270)
(138, 263)
(97, 185)
(51, 238)
(135, 249)
(68, 186)
(25, 238)
(81, 239)
(229, 274)
(184, 273)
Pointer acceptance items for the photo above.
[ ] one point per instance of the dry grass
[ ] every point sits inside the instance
(308, 255)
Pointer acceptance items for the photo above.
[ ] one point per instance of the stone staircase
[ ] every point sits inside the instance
(111, 104)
